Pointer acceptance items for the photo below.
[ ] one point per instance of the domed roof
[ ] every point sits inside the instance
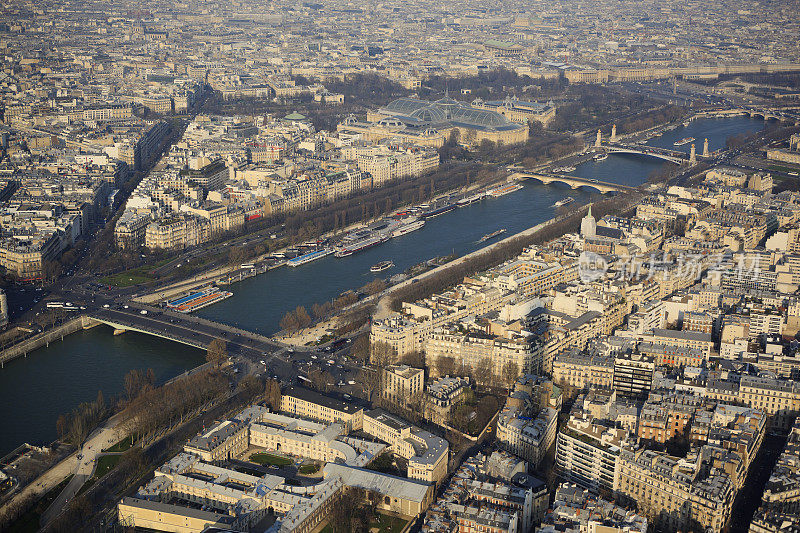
(447, 101)
(429, 114)
(479, 117)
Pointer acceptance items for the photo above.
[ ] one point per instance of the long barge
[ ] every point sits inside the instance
(359, 242)
(469, 200)
(408, 227)
(311, 256)
(198, 300)
(438, 208)
(505, 189)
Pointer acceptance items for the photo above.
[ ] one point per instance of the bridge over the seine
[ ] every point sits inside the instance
(186, 329)
(573, 182)
(673, 156)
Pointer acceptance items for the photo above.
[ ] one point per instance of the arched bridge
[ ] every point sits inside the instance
(573, 182)
(673, 156)
(186, 329)
(768, 114)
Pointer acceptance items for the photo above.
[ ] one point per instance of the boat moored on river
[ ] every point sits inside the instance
(198, 300)
(380, 267)
(311, 256)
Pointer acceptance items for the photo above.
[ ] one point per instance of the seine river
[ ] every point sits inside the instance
(53, 380)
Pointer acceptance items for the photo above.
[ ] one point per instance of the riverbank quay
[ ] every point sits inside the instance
(124, 479)
(44, 338)
(306, 336)
(261, 264)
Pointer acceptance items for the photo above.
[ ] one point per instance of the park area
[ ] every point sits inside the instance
(263, 458)
(381, 523)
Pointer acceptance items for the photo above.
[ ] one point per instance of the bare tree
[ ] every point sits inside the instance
(317, 378)
(251, 385)
(415, 359)
(272, 393)
(446, 365)
(371, 379)
(484, 373)
(217, 352)
(382, 354)
(510, 373)
(361, 348)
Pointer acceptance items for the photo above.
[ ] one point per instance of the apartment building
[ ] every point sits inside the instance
(780, 502)
(176, 232)
(672, 356)
(583, 371)
(473, 348)
(526, 426)
(588, 446)
(483, 497)
(427, 454)
(633, 376)
(780, 399)
(672, 493)
(577, 510)
(386, 165)
(410, 330)
(442, 395)
(306, 403)
(402, 383)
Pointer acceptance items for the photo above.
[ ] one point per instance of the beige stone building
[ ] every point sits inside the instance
(176, 232)
(427, 454)
(671, 494)
(583, 371)
(306, 403)
(519, 111)
(161, 516)
(401, 383)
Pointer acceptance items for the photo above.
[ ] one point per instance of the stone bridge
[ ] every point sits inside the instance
(186, 329)
(573, 182)
(673, 156)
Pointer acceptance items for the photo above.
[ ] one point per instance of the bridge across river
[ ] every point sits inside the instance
(186, 329)
(573, 182)
(673, 156)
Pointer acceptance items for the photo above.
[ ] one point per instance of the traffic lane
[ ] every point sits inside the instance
(226, 330)
(201, 332)
(163, 322)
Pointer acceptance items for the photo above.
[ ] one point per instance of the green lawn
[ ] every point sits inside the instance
(262, 458)
(105, 464)
(122, 446)
(127, 278)
(29, 521)
(390, 524)
(784, 168)
(134, 276)
(309, 469)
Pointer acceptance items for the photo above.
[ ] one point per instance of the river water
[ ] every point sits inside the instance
(53, 380)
